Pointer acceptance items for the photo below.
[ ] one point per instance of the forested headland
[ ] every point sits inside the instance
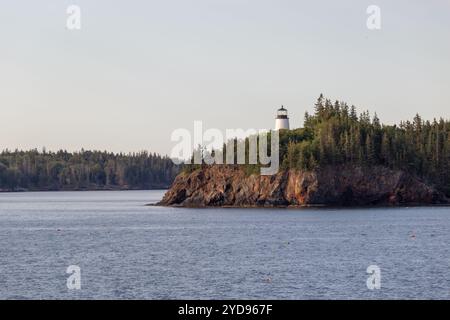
(85, 170)
(335, 134)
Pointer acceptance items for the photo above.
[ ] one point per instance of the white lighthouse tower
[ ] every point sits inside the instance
(282, 119)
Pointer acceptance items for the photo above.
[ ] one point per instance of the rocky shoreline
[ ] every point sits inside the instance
(229, 186)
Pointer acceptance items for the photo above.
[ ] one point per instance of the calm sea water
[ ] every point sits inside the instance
(127, 250)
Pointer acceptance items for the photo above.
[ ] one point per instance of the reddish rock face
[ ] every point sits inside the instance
(221, 185)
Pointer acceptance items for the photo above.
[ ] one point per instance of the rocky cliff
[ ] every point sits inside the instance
(221, 185)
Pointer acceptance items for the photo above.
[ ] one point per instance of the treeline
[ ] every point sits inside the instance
(84, 170)
(336, 134)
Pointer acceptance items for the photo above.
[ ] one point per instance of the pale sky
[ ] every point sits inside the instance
(137, 70)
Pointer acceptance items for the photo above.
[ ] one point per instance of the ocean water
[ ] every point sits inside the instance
(126, 250)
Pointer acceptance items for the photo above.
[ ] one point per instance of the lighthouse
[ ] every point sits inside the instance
(282, 119)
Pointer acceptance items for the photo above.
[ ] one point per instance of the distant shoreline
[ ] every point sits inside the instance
(85, 170)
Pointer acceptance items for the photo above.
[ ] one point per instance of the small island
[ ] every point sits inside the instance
(338, 158)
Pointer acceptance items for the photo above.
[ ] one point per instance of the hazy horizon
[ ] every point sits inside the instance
(138, 70)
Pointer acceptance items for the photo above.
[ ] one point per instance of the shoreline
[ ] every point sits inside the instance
(78, 190)
(308, 206)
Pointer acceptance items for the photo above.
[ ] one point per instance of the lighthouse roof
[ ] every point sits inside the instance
(282, 113)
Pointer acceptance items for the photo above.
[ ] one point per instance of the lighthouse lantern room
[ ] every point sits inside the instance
(282, 119)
